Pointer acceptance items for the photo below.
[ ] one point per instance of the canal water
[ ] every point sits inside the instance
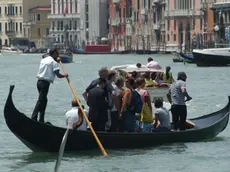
(209, 88)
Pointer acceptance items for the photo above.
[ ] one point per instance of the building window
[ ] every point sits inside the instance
(174, 24)
(75, 25)
(38, 17)
(39, 32)
(71, 6)
(168, 24)
(5, 10)
(16, 10)
(20, 10)
(21, 27)
(47, 31)
(0, 10)
(6, 42)
(54, 7)
(168, 37)
(193, 24)
(174, 38)
(0, 42)
(61, 25)
(24, 31)
(53, 25)
(16, 27)
(6, 27)
(201, 23)
(29, 33)
(0, 27)
(70, 25)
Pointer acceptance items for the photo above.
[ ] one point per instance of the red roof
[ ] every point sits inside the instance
(40, 8)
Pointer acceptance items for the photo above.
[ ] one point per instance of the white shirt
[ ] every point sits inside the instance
(153, 64)
(46, 69)
(72, 117)
(116, 94)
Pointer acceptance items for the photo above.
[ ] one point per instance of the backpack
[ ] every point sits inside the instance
(136, 102)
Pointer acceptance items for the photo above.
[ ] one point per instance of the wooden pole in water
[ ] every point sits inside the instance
(83, 112)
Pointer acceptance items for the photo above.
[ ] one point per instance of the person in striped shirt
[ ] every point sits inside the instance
(177, 96)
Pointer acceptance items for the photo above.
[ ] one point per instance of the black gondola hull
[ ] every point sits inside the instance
(43, 137)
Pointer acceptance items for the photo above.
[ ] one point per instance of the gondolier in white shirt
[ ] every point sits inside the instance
(48, 68)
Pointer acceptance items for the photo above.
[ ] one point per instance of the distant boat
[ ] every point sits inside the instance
(10, 50)
(146, 52)
(212, 57)
(65, 57)
(189, 57)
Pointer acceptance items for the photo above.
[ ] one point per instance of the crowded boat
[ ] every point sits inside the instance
(123, 99)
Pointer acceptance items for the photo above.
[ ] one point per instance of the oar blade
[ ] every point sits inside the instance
(61, 150)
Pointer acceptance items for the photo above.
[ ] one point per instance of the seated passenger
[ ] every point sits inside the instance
(148, 81)
(75, 118)
(167, 76)
(161, 115)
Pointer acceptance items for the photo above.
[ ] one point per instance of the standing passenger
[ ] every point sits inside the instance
(98, 105)
(128, 115)
(176, 96)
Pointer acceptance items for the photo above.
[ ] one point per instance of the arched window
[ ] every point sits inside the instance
(38, 17)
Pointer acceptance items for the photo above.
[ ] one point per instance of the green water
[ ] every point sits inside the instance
(209, 88)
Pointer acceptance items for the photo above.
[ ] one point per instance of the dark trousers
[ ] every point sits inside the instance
(179, 115)
(129, 121)
(43, 89)
(98, 118)
(114, 121)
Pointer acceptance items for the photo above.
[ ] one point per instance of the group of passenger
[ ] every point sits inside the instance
(118, 104)
(114, 108)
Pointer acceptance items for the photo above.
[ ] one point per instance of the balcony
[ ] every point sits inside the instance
(203, 6)
(156, 26)
(115, 1)
(122, 20)
(10, 33)
(180, 13)
(144, 11)
(115, 22)
(61, 16)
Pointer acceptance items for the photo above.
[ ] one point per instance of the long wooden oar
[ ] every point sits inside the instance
(84, 114)
(62, 147)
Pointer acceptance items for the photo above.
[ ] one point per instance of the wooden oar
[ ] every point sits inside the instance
(84, 114)
(61, 150)
(62, 147)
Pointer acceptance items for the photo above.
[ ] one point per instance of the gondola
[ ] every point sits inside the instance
(46, 137)
(188, 57)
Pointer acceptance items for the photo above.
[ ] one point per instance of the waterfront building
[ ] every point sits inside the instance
(184, 19)
(13, 13)
(94, 20)
(65, 22)
(221, 9)
(120, 31)
(38, 25)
